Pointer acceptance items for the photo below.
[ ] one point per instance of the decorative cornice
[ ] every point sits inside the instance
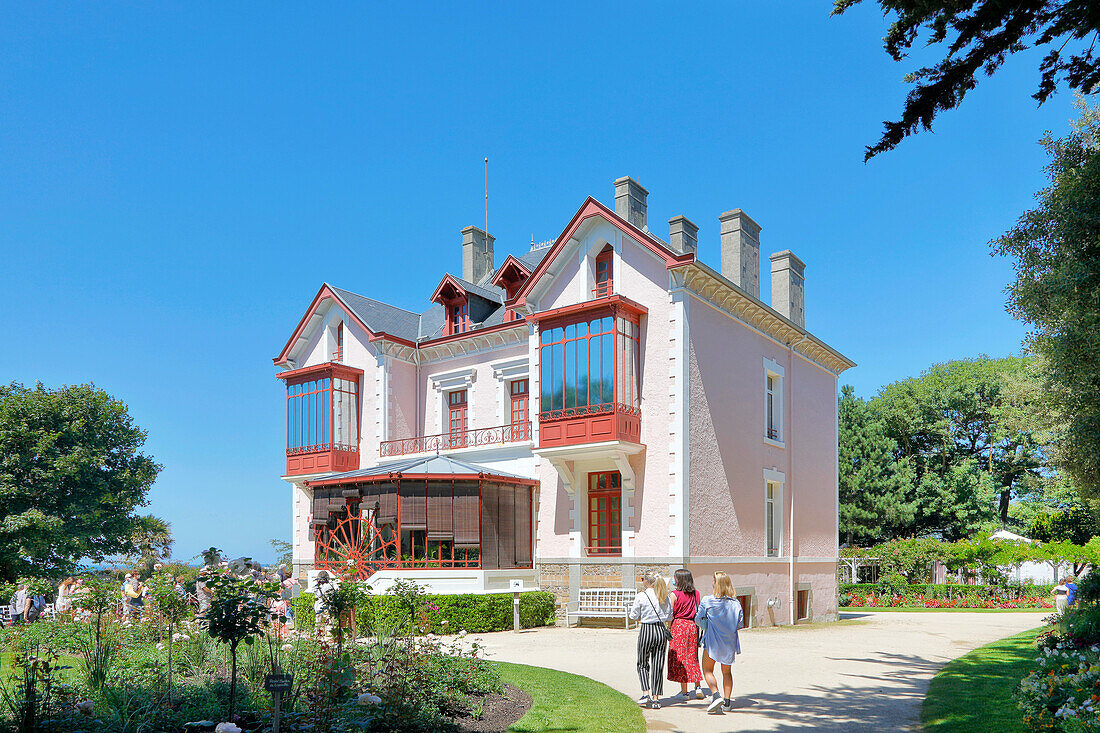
(475, 342)
(710, 286)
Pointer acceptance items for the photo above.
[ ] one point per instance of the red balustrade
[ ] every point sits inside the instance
(464, 439)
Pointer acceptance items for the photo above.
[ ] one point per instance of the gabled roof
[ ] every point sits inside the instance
(511, 261)
(590, 208)
(424, 466)
(492, 294)
(381, 317)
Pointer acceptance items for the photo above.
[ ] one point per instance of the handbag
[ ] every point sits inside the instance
(667, 635)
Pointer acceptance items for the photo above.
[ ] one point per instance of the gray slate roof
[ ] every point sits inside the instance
(422, 465)
(381, 317)
(532, 258)
(491, 293)
(384, 318)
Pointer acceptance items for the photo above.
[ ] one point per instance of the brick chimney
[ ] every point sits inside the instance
(740, 240)
(789, 286)
(477, 255)
(683, 235)
(630, 201)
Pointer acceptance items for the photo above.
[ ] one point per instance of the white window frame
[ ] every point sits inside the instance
(445, 383)
(775, 372)
(775, 481)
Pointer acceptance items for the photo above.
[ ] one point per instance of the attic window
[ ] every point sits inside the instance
(459, 321)
(603, 273)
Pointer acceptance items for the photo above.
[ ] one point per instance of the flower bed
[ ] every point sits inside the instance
(921, 601)
(1063, 691)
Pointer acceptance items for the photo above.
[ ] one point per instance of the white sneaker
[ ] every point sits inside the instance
(699, 694)
(716, 705)
(643, 700)
(654, 704)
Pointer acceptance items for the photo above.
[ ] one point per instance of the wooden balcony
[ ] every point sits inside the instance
(464, 440)
(321, 458)
(590, 424)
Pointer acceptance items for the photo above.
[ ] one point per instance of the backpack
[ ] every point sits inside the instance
(33, 612)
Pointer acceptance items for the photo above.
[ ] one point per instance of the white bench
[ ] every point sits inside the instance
(602, 603)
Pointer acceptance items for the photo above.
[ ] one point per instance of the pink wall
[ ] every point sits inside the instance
(728, 453)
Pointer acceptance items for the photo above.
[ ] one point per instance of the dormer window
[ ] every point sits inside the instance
(603, 273)
(460, 318)
(510, 278)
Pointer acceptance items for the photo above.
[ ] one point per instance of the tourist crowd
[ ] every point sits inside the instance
(135, 599)
(676, 625)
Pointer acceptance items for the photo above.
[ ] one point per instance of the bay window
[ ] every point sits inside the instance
(589, 367)
(590, 374)
(322, 418)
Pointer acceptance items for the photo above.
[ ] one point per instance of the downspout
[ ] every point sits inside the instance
(790, 468)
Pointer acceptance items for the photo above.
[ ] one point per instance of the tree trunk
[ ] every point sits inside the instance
(169, 664)
(1006, 494)
(232, 681)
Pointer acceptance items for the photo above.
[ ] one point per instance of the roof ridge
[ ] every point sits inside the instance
(374, 300)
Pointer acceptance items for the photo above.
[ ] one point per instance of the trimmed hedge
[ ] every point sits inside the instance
(953, 590)
(476, 613)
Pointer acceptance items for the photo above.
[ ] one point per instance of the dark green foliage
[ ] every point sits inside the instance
(978, 37)
(71, 477)
(470, 612)
(892, 584)
(473, 613)
(873, 484)
(1076, 524)
(1056, 253)
(974, 435)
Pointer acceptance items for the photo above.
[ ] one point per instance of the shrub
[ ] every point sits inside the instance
(476, 613)
(892, 584)
(304, 618)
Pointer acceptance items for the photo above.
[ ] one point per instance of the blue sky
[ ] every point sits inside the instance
(177, 181)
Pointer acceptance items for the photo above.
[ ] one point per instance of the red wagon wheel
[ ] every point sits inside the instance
(354, 544)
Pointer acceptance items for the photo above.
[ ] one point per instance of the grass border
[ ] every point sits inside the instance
(974, 692)
(570, 702)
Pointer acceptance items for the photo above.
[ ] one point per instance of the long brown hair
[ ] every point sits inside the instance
(685, 582)
(723, 586)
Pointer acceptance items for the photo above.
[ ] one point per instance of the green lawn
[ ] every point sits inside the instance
(569, 702)
(893, 609)
(6, 669)
(974, 692)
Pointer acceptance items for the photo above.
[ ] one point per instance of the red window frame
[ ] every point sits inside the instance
(456, 418)
(459, 321)
(567, 349)
(605, 513)
(339, 353)
(519, 412)
(604, 273)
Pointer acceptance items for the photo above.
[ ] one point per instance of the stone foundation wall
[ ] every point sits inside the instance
(565, 580)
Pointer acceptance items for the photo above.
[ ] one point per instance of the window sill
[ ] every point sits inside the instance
(774, 443)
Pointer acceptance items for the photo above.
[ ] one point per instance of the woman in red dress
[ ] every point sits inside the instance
(683, 650)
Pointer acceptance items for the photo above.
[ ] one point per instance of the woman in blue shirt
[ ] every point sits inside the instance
(720, 616)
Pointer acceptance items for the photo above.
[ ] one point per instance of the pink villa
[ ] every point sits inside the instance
(571, 417)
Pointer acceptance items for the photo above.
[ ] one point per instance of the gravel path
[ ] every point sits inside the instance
(868, 672)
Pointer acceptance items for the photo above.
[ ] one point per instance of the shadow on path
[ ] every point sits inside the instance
(872, 700)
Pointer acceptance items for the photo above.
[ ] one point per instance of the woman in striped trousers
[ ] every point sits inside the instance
(652, 608)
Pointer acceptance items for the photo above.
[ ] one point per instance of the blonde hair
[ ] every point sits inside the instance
(660, 587)
(723, 586)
